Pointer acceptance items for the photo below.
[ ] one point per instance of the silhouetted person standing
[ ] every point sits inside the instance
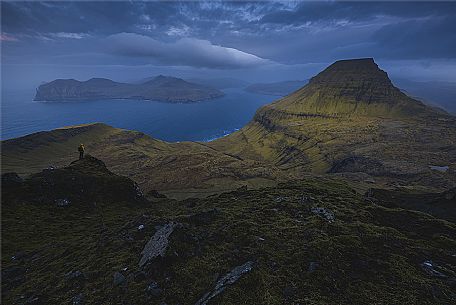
(81, 151)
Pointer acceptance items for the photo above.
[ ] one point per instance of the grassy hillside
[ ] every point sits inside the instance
(351, 114)
(184, 169)
(311, 241)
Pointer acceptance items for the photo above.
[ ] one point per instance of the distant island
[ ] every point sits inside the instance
(160, 88)
(278, 89)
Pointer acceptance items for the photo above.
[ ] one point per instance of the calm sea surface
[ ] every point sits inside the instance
(202, 121)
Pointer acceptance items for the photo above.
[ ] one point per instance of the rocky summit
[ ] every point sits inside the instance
(342, 192)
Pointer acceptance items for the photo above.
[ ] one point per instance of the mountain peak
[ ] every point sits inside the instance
(165, 78)
(352, 70)
(351, 87)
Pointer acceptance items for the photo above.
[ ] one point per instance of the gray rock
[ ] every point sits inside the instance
(119, 279)
(33, 300)
(228, 279)
(324, 213)
(442, 169)
(279, 199)
(157, 245)
(305, 199)
(62, 202)
(75, 275)
(313, 266)
(432, 269)
(78, 299)
(153, 289)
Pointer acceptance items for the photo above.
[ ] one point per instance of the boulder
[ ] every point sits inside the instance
(324, 213)
(119, 279)
(313, 266)
(78, 299)
(226, 280)
(153, 289)
(75, 275)
(62, 202)
(157, 245)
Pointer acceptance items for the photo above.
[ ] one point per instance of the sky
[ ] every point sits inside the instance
(255, 41)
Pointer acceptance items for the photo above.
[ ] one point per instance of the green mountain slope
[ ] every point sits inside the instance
(177, 169)
(350, 114)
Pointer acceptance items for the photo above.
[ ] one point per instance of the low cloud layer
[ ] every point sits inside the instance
(183, 52)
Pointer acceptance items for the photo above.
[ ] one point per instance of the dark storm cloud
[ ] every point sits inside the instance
(96, 17)
(225, 35)
(356, 11)
(432, 38)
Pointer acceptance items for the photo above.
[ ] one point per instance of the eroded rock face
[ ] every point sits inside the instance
(157, 245)
(226, 280)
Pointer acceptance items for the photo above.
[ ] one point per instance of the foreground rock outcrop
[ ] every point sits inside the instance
(314, 240)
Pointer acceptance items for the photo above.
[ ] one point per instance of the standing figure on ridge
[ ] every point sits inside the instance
(81, 151)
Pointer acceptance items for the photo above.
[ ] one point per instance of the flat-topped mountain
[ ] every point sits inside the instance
(350, 114)
(351, 87)
(161, 88)
(278, 88)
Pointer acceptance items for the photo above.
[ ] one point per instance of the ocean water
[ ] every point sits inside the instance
(203, 121)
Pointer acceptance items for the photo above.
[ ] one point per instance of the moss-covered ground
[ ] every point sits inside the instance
(369, 254)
